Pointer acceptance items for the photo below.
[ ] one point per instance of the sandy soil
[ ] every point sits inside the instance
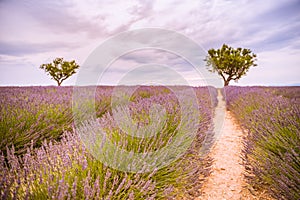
(226, 180)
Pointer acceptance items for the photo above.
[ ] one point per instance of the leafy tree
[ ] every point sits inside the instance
(60, 70)
(230, 63)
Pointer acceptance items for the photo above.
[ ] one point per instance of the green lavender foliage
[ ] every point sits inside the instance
(272, 147)
(46, 159)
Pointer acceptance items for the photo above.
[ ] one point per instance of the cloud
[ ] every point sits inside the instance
(37, 30)
(41, 19)
(23, 48)
(43, 23)
(274, 68)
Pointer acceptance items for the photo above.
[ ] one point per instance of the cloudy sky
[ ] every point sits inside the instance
(35, 32)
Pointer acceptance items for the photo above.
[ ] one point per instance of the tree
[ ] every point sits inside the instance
(230, 63)
(60, 70)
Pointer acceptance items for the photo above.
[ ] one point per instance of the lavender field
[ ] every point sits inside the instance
(271, 117)
(42, 156)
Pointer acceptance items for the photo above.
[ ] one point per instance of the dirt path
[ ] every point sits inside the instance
(226, 180)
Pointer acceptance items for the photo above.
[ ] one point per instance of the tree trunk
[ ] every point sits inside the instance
(226, 83)
(59, 83)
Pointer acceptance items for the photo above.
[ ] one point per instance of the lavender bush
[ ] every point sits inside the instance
(32, 114)
(61, 167)
(272, 146)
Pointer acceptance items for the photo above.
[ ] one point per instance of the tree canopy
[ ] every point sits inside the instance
(230, 63)
(60, 70)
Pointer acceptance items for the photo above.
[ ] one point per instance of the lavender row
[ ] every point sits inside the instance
(31, 114)
(272, 147)
(61, 167)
